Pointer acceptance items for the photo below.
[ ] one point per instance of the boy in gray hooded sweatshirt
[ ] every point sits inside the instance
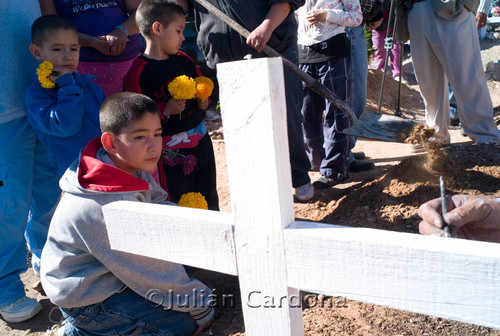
(100, 290)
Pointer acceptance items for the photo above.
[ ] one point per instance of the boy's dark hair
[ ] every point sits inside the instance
(118, 110)
(150, 11)
(46, 24)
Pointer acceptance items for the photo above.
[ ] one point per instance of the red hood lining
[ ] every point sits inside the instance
(95, 175)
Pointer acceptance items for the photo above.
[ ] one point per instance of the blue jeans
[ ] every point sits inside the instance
(45, 193)
(326, 146)
(293, 94)
(16, 166)
(453, 103)
(127, 313)
(358, 75)
(19, 151)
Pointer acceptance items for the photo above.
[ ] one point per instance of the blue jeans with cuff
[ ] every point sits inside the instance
(127, 313)
(326, 146)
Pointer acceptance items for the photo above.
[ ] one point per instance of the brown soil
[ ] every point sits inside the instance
(390, 200)
(384, 198)
(419, 134)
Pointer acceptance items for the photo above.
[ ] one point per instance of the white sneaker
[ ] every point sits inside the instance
(56, 330)
(417, 148)
(211, 115)
(403, 80)
(438, 141)
(304, 192)
(21, 310)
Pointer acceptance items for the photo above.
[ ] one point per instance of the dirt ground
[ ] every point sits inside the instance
(385, 198)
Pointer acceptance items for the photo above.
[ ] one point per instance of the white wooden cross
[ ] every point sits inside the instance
(277, 256)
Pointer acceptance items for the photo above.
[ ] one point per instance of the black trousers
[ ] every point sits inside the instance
(202, 178)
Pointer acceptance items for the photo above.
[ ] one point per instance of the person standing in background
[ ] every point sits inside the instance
(273, 23)
(481, 17)
(19, 150)
(438, 58)
(324, 54)
(108, 36)
(358, 74)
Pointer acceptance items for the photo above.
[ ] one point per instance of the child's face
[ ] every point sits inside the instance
(61, 48)
(171, 36)
(138, 146)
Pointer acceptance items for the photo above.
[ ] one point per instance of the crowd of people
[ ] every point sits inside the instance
(97, 123)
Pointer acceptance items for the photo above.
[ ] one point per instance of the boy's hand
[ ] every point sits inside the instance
(316, 16)
(203, 104)
(58, 72)
(174, 106)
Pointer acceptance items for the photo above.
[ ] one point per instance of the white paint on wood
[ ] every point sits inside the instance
(254, 112)
(194, 237)
(451, 278)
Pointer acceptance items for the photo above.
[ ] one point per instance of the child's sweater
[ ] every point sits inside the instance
(65, 118)
(80, 268)
(341, 14)
(151, 78)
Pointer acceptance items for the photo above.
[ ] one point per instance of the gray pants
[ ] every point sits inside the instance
(445, 50)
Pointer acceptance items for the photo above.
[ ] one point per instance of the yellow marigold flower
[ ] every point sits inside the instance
(43, 72)
(204, 87)
(182, 87)
(193, 200)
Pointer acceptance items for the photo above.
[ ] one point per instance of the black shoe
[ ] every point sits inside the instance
(357, 166)
(454, 122)
(462, 131)
(359, 155)
(324, 182)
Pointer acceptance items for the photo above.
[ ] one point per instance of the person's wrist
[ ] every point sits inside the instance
(123, 29)
(98, 44)
(326, 14)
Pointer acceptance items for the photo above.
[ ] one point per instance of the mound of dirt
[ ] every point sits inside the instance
(410, 102)
(391, 201)
(420, 134)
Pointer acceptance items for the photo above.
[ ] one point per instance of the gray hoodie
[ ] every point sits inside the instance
(78, 266)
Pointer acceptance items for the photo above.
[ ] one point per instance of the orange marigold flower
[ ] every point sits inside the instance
(182, 87)
(193, 200)
(204, 87)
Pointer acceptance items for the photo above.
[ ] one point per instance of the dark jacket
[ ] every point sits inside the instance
(220, 43)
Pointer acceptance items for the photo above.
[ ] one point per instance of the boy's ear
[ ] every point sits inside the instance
(156, 27)
(35, 51)
(108, 142)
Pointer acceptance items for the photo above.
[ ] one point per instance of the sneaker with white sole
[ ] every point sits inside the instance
(56, 330)
(403, 80)
(417, 148)
(21, 310)
(304, 192)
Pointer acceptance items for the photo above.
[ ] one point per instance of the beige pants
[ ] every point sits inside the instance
(445, 50)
